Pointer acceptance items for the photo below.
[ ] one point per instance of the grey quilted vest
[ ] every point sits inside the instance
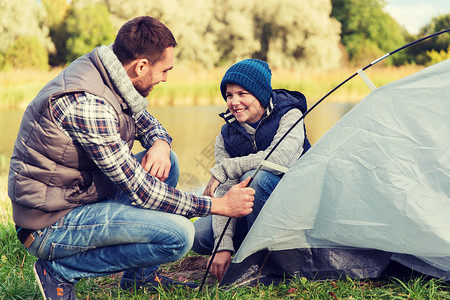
(48, 174)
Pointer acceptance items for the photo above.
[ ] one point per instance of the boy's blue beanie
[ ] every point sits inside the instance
(253, 75)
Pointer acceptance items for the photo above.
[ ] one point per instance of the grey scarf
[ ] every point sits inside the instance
(120, 80)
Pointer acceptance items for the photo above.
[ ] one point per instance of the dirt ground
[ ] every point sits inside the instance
(190, 268)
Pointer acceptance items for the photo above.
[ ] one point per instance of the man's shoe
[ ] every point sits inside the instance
(51, 288)
(152, 285)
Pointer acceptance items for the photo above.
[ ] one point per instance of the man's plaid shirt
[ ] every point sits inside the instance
(93, 124)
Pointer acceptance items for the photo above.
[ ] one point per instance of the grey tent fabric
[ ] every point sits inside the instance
(374, 189)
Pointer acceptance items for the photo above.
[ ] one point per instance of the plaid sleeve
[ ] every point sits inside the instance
(93, 124)
(148, 129)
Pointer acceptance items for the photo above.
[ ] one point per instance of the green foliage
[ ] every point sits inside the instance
(57, 11)
(289, 33)
(436, 56)
(22, 18)
(363, 51)
(26, 52)
(4, 165)
(437, 24)
(234, 43)
(23, 43)
(190, 21)
(286, 33)
(87, 28)
(438, 44)
(297, 33)
(367, 31)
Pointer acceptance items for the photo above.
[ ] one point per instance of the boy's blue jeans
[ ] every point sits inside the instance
(263, 183)
(113, 236)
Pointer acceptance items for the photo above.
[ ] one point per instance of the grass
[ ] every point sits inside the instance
(18, 87)
(17, 282)
(192, 86)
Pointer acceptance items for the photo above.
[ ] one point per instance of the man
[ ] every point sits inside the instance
(82, 203)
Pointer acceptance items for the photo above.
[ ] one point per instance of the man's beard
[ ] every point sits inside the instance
(144, 92)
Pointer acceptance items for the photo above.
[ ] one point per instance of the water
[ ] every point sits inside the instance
(194, 130)
(9, 125)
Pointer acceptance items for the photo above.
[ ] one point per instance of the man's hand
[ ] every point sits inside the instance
(220, 264)
(236, 203)
(211, 187)
(157, 160)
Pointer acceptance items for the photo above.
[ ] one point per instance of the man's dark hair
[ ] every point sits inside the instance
(143, 37)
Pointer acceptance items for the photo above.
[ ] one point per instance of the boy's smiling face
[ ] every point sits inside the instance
(243, 105)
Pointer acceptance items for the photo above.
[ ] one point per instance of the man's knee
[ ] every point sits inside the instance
(185, 233)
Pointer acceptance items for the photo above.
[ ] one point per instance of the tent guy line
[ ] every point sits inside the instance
(360, 72)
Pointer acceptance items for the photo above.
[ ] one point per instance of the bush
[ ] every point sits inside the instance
(26, 52)
(436, 56)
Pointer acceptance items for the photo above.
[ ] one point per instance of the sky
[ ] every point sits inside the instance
(414, 14)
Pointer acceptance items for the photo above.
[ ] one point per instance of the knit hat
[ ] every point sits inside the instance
(253, 75)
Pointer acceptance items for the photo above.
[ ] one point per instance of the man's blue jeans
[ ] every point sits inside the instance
(263, 183)
(113, 236)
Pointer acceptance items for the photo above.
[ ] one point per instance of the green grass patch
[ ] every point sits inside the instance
(17, 282)
(16, 274)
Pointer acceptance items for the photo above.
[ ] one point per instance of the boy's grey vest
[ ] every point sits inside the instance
(49, 175)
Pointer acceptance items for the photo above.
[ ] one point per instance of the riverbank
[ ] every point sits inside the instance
(192, 86)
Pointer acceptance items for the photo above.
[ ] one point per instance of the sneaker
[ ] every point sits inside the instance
(51, 288)
(152, 285)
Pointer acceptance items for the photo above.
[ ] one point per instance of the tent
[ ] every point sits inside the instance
(373, 191)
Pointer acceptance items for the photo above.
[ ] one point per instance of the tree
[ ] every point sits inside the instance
(434, 45)
(87, 27)
(189, 21)
(234, 31)
(57, 11)
(295, 33)
(285, 33)
(212, 32)
(26, 52)
(367, 31)
(22, 29)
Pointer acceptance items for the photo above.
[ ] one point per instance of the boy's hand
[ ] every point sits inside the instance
(220, 264)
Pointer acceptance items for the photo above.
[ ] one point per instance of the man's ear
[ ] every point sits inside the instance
(141, 67)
